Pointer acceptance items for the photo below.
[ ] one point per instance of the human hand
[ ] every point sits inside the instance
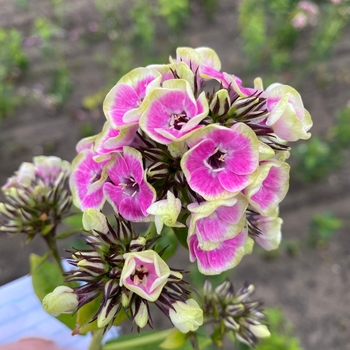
(32, 344)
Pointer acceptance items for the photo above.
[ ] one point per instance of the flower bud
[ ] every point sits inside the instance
(107, 313)
(141, 318)
(235, 309)
(93, 220)
(166, 212)
(137, 244)
(94, 266)
(62, 300)
(186, 316)
(260, 330)
(231, 323)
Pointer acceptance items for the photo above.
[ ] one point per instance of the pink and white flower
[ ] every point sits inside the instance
(221, 161)
(218, 220)
(129, 193)
(87, 180)
(122, 104)
(172, 113)
(214, 258)
(288, 118)
(145, 273)
(270, 186)
(111, 140)
(270, 227)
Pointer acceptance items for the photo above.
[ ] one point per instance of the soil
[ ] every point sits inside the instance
(311, 288)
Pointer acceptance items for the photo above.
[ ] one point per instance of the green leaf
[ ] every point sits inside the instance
(181, 234)
(174, 340)
(145, 341)
(168, 239)
(46, 276)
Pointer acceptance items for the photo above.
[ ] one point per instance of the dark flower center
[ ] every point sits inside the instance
(140, 275)
(130, 186)
(217, 160)
(177, 121)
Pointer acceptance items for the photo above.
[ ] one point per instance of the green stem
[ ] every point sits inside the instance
(68, 233)
(96, 341)
(52, 244)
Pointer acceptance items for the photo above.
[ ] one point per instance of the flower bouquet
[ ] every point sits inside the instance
(187, 154)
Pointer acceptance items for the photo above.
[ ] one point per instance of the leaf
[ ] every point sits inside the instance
(174, 340)
(145, 341)
(46, 276)
(168, 239)
(181, 234)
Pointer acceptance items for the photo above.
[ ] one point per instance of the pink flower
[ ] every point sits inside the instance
(87, 180)
(145, 273)
(218, 220)
(123, 102)
(111, 140)
(270, 187)
(128, 192)
(172, 113)
(214, 258)
(270, 227)
(221, 161)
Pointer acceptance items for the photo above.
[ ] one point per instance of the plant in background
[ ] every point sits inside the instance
(282, 337)
(275, 28)
(205, 168)
(320, 157)
(322, 229)
(13, 63)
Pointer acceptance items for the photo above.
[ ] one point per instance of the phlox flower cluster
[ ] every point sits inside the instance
(177, 153)
(36, 197)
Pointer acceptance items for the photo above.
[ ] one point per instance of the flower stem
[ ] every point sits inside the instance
(52, 244)
(97, 337)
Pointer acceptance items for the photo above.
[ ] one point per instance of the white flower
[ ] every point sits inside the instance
(166, 212)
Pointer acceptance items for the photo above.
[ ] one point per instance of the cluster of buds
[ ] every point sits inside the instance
(36, 197)
(173, 153)
(126, 272)
(234, 311)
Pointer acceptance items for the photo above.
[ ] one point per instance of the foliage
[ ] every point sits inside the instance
(271, 32)
(322, 229)
(319, 157)
(13, 63)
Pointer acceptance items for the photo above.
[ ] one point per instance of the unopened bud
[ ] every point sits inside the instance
(260, 330)
(93, 220)
(223, 288)
(141, 318)
(126, 299)
(244, 292)
(207, 288)
(95, 267)
(62, 300)
(231, 323)
(107, 313)
(137, 244)
(235, 309)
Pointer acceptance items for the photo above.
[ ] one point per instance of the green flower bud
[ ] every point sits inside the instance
(141, 318)
(94, 220)
(186, 316)
(62, 300)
